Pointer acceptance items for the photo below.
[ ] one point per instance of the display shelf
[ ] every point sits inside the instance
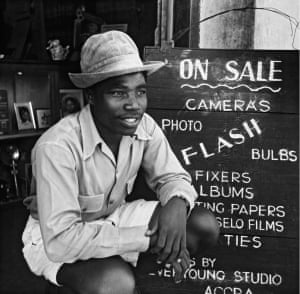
(11, 202)
(23, 134)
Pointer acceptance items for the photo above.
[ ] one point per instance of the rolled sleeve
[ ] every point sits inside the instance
(178, 188)
(164, 173)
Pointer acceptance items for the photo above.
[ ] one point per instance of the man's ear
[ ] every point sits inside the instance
(89, 94)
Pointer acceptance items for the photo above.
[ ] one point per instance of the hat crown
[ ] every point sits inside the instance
(109, 55)
(109, 51)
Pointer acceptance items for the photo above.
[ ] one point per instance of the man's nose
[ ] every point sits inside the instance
(132, 102)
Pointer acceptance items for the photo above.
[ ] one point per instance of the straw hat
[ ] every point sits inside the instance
(108, 55)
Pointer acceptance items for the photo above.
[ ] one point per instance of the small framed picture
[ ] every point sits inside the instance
(71, 101)
(24, 115)
(43, 117)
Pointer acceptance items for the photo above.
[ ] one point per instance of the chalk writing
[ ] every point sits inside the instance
(243, 241)
(227, 105)
(237, 136)
(258, 278)
(181, 125)
(222, 176)
(282, 154)
(231, 87)
(226, 290)
(260, 210)
(232, 110)
(227, 191)
(233, 70)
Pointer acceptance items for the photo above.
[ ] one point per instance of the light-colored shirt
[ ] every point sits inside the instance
(78, 181)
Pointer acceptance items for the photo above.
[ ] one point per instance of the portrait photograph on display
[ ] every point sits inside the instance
(71, 101)
(43, 117)
(24, 116)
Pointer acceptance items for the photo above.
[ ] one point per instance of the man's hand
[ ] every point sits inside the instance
(31, 204)
(168, 236)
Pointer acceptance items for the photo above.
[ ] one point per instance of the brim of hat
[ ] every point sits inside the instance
(84, 80)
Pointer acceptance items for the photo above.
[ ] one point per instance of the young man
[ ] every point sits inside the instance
(84, 234)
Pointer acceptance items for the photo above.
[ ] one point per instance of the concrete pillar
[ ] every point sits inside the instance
(232, 30)
(274, 31)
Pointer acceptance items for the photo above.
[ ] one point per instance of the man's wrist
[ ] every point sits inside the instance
(186, 203)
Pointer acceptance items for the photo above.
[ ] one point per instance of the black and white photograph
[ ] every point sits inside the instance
(24, 116)
(165, 158)
(43, 117)
(71, 101)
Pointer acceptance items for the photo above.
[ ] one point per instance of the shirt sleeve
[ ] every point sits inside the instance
(66, 236)
(163, 171)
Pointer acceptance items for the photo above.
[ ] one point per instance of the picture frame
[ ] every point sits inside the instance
(24, 116)
(85, 25)
(71, 101)
(43, 117)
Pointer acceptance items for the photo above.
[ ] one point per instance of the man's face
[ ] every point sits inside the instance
(119, 104)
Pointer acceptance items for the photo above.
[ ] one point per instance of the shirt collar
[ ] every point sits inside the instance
(91, 137)
(141, 133)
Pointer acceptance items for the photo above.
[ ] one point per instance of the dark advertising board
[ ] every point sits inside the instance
(231, 116)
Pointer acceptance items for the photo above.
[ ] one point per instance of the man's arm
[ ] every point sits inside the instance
(171, 248)
(163, 172)
(202, 232)
(172, 184)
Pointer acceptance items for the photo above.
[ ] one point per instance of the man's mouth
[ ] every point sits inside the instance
(130, 121)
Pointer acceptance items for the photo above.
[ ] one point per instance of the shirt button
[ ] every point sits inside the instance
(111, 202)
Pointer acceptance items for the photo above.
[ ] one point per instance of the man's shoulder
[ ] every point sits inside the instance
(148, 124)
(63, 133)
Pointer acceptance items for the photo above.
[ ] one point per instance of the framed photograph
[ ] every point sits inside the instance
(85, 25)
(24, 115)
(43, 117)
(71, 101)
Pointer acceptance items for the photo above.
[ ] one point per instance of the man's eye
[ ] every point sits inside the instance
(141, 92)
(117, 93)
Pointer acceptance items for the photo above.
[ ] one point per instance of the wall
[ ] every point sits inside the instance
(274, 31)
(251, 28)
(227, 31)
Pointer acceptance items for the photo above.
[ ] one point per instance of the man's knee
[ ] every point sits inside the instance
(106, 276)
(202, 230)
(117, 280)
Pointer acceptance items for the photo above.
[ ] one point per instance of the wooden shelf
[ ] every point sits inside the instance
(40, 62)
(19, 135)
(11, 202)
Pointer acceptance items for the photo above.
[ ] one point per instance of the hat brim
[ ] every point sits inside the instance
(84, 80)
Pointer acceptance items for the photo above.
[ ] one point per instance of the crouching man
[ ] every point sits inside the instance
(83, 234)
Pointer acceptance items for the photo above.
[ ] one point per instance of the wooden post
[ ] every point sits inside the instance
(164, 29)
(194, 36)
(157, 32)
(232, 30)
